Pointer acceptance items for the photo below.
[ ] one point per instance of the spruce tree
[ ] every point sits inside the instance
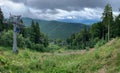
(37, 34)
(32, 32)
(116, 27)
(107, 20)
(1, 20)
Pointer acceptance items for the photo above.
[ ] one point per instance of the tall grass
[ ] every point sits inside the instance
(105, 59)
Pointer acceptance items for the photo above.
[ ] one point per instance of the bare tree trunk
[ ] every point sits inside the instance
(108, 32)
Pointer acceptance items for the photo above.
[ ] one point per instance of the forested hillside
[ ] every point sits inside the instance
(55, 29)
(99, 33)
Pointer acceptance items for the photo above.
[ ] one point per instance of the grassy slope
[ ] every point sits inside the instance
(105, 59)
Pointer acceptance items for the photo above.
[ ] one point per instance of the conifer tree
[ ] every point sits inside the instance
(107, 20)
(1, 20)
(37, 33)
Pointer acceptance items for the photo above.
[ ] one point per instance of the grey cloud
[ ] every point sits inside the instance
(63, 4)
(69, 4)
(59, 9)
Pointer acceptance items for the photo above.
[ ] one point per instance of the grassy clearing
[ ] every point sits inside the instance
(105, 59)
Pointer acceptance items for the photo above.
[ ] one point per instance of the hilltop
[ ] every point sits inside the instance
(105, 59)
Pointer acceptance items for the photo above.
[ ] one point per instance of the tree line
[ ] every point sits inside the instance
(98, 33)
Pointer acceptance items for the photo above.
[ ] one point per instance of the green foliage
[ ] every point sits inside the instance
(97, 30)
(58, 41)
(6, 39)
(31, 38)
(24, 54)
(107, 58)
(44, 40)
(53, 48)
(107, 19)
(4, 26)
(2, 60)
(34, 65)
(116, 28)
(100, 43)
(35, 33)
(97, 33)
(36, 36)
(107, 15)
(55, 29)
(1, 21)
(38, 47)
(87, 48)
(79, 40)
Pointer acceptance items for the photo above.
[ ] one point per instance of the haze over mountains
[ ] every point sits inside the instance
(56, 29)
(85, 21)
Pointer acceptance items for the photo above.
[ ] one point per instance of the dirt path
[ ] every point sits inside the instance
(72, 52)
(69, 52)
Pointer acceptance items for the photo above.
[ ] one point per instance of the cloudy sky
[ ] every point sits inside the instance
(76, 10)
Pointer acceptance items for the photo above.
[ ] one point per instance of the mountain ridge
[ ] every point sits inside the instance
(55, 29)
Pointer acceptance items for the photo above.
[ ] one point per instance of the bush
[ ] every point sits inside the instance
(87, 48)
(6, 39)
(35, 65)
(52, 48)
(38, 47)
(28, 43)
(100, 43)
(92, 42)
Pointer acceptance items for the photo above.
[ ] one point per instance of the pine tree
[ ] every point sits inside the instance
(32, 32)
(85, 37)
(97, 30)
(116, 27)
(23, 30)
(107, 19)
(37, 33)
(1, 20)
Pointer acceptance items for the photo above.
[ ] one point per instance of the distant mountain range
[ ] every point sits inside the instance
(86, 21)
(56, 29)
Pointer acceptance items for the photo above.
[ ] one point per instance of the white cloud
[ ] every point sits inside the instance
(13, 8)
(86, 13)
(69, 17)
(116, 13)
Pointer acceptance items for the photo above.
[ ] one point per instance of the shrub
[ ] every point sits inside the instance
(28, 43)
(2, 60)
(35, 65)
(92, 42)
(96, 55)
(52, 48)
(38, 47)
(24, 54)
(100, 43)
(6, 39)
(87, 48)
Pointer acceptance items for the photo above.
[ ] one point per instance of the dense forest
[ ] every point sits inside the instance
(99, 33)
